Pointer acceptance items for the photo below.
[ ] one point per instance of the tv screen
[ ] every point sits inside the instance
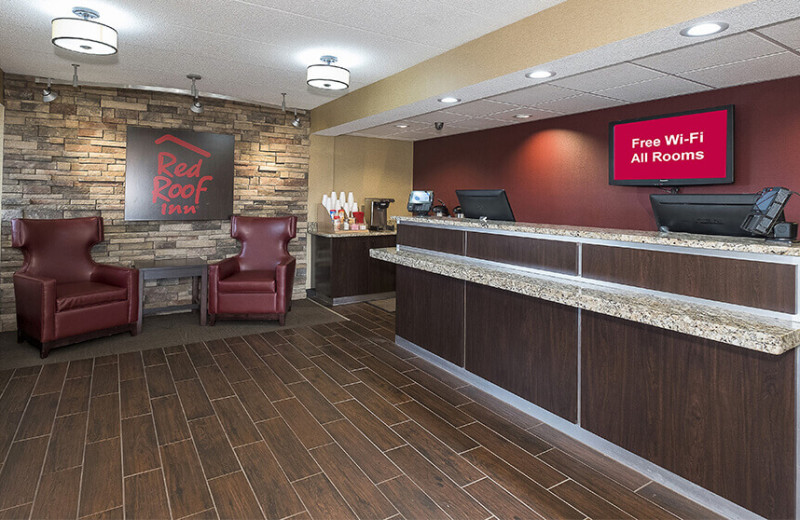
(485, 204)
(705, 213)
(687, 148)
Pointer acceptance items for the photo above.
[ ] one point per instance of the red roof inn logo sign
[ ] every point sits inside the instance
(178, 175)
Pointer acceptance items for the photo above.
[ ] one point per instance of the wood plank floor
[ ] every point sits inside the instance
(327, 422)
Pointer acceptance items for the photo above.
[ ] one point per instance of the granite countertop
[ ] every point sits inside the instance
(740, 244)
(714, 322)
(346, 234)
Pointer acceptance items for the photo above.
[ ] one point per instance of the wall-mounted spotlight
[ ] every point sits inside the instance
(438, 125)
(296, 122)
(47, 94)
(197, 106)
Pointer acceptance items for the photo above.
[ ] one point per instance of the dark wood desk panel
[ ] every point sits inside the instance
(343, 268)
(435, 239)
(763, 285)
(720, 416)
(430, 312)
(524, 345)
(551, 255)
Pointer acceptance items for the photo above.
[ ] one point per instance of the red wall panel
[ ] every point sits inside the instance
(556, 171)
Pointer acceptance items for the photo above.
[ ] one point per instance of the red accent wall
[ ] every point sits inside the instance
(556, 171)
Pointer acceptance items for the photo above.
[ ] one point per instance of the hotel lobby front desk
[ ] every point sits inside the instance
(678, 348)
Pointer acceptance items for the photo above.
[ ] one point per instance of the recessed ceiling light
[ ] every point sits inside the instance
(540, 74)
(522, 116)
(449, 99)
(401, 126)
(704, 29)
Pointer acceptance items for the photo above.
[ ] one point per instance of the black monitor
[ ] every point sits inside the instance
(708, 214)
(485, 204)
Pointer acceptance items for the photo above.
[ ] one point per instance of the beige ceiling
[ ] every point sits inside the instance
(762, 43)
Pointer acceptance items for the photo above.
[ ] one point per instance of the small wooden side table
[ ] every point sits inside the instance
(196, 268)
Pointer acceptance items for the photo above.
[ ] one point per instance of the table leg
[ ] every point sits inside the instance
(141, 302)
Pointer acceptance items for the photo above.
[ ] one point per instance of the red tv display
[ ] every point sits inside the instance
(686, 148)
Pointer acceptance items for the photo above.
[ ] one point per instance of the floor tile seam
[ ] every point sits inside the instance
(335, 487)
(101, 512)
(592, 468)
(355, 462)
(19, 505)
(17, 429)
(459, 455)
(604, 475)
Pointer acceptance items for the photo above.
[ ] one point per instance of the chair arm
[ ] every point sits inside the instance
(115, 275)
(284, 281)
(36, 305)
(217, 272)
(223, 269)
(121, 277)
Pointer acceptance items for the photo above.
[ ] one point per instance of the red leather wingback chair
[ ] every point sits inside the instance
(62, 295)
(257, 283)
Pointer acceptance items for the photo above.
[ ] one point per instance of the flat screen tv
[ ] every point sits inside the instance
(485, 204)
(708, 214)
(681, 149)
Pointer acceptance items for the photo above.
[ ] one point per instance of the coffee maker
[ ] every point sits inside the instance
(377, 214)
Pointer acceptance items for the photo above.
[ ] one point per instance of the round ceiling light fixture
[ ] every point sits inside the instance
(84, 34)
(402, 125)
(328, 76)
(540, 74)
(449, 99)
(704, 29)
(522, 116)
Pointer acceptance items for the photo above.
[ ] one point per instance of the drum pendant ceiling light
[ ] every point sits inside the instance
(328, 76)
(83, 34)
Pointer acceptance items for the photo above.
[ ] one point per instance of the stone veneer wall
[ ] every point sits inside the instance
(67, 159)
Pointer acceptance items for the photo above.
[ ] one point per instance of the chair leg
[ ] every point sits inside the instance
(45, 350)
(134, 329)
(212, 320)
(282, 319)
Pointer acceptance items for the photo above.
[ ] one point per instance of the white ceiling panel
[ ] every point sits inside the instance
(788, 33)
(711, 53)
(432, 117)
(749, 71)
(482, 107)
(661, 87)
(534, 96)
(608, 77)
(580, 103)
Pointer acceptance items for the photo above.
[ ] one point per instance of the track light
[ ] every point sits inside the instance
(197, 106)
(75, 75)
(47, 94)
(296, 122)
(283, 103)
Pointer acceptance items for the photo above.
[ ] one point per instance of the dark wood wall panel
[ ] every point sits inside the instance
(551, 255)
(435, 239)
(525, 345)
(744, 282)
(430, 312)
(343, 267)
(720, 416)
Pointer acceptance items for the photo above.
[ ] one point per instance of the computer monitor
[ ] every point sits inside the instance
(708, 214)
(485, 204)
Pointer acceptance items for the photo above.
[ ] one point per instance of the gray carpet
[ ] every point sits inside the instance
(160, 331)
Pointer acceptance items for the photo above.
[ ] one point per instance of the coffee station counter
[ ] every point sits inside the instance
(343, 271)
(678, 348)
